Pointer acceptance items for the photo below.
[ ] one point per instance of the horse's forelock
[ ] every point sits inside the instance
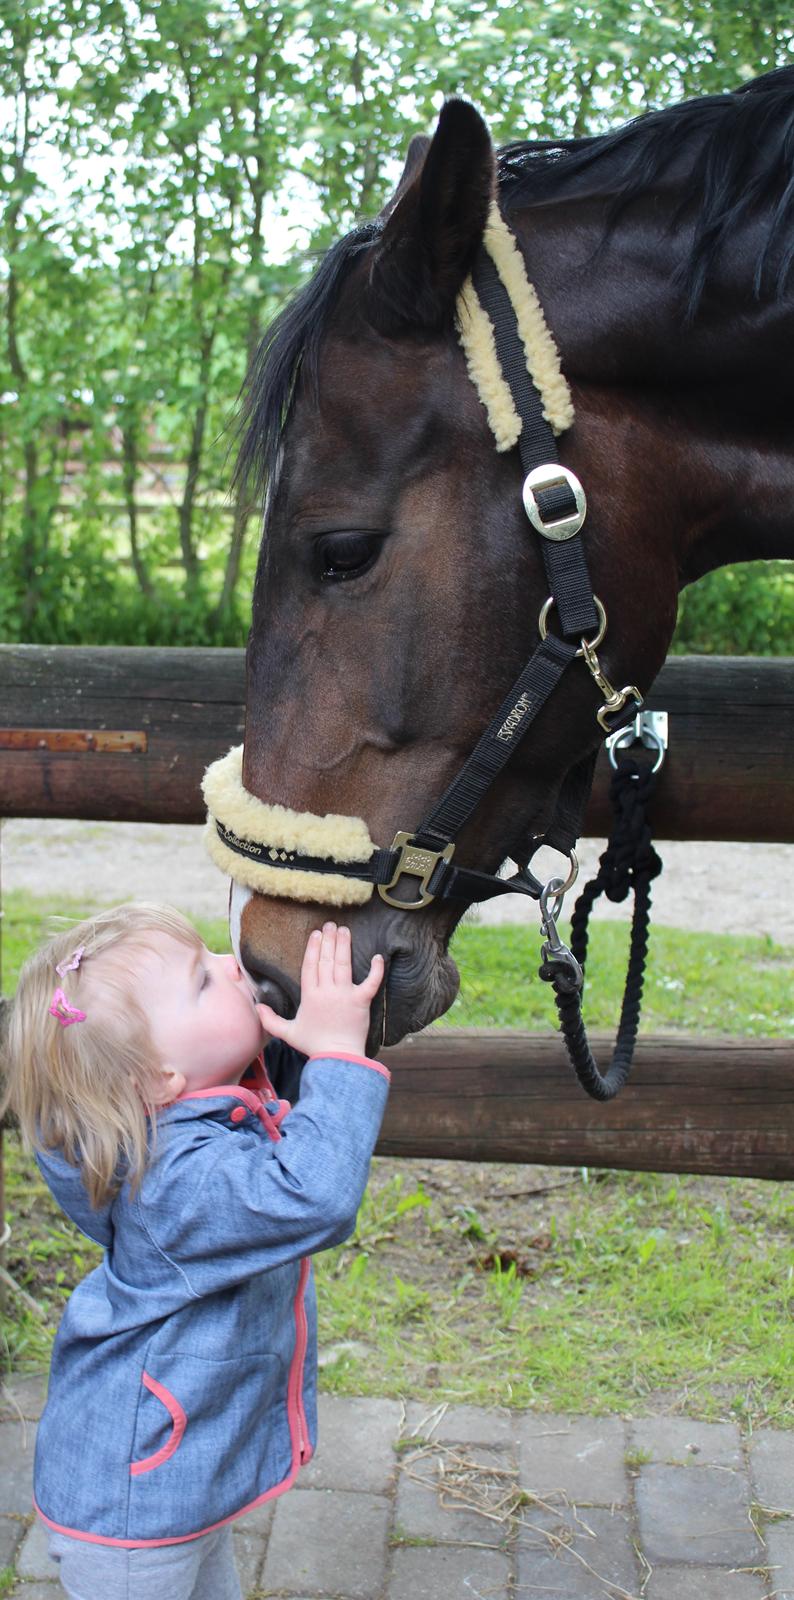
(291, 344)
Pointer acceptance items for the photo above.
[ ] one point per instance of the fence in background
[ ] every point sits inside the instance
(125, 735)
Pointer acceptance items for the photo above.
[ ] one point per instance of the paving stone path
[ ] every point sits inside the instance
(459, 1503)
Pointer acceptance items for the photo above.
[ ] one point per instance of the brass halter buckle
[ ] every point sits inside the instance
(415, 862)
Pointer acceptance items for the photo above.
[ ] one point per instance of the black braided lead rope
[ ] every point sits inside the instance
(629, 863)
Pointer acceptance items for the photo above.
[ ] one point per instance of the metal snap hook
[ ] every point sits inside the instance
(559, 964)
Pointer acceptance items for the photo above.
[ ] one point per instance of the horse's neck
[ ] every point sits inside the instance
(618, 315)
(742, 491)
(716, 396)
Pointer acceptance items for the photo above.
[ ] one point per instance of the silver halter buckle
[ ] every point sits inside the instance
(551, 476)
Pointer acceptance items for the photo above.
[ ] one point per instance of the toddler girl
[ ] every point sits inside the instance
(183, 1379)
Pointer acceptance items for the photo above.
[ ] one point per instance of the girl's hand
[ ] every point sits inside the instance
(333, 1015)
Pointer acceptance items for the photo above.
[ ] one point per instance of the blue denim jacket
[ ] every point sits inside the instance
(183, 1379)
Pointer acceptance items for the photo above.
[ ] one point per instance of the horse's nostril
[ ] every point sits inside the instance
(271, 994)
(272, 988)
(396, 963)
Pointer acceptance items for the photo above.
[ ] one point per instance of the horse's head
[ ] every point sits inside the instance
(399, 582)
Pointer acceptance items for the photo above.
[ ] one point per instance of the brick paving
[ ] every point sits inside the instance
(458, 1503)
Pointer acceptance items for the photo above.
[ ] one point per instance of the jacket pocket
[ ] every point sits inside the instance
(178, 1426)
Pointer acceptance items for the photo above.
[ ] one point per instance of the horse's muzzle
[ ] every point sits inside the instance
(420, 982)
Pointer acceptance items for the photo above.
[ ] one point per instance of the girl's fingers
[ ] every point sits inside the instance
(278, 1027)
(371, 984)
(327, 951)
(311, 961)
(343, 966)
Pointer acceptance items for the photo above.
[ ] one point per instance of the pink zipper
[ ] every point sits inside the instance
(295, 1387)
(299, 1431)
(295, 1411)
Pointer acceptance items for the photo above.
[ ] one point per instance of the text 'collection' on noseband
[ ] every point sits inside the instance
(514, 364)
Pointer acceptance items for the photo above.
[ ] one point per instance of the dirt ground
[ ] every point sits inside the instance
(718, 888)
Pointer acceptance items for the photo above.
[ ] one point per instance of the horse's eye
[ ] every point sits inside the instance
(343, 556)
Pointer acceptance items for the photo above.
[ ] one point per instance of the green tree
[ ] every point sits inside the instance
(155, 153)
(41, 361)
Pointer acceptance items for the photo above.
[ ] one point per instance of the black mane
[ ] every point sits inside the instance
(293, 340)
(726, 133)
(741, 145)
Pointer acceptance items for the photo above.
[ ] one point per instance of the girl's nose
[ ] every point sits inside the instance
(229, 965)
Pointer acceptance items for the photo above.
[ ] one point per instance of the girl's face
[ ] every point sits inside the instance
(202, 1016)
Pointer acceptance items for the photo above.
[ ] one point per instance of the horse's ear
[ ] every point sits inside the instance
(417, 150)
(434, 225)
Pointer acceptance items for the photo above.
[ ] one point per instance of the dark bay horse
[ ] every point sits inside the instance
(399, 583)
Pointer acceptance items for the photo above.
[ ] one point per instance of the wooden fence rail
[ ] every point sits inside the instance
(125, 734)
(63, 711)
(691, 1105)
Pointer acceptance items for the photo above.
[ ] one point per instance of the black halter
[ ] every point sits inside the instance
(555, 504)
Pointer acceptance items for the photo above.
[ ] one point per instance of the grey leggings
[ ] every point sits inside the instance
(199, 1569)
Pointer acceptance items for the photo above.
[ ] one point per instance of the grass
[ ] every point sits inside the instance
(700, 982)
(623, 1292)
(549, 1287)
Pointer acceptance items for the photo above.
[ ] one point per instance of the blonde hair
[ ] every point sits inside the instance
(89, 1090)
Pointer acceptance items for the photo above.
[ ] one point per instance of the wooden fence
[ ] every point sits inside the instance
(125, 734)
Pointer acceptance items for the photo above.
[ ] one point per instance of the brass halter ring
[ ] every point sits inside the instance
(592, 644)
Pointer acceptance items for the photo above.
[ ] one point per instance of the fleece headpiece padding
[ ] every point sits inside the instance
(476, 334)
(331, 838)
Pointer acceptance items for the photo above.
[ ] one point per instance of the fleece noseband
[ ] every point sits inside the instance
(257, 844)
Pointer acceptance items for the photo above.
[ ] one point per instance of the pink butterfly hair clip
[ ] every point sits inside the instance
(73, 963)
(62, 1009)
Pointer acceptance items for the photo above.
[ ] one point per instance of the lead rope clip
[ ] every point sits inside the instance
(558, 964)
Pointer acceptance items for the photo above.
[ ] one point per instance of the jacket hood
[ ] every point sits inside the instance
(66, 1183)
